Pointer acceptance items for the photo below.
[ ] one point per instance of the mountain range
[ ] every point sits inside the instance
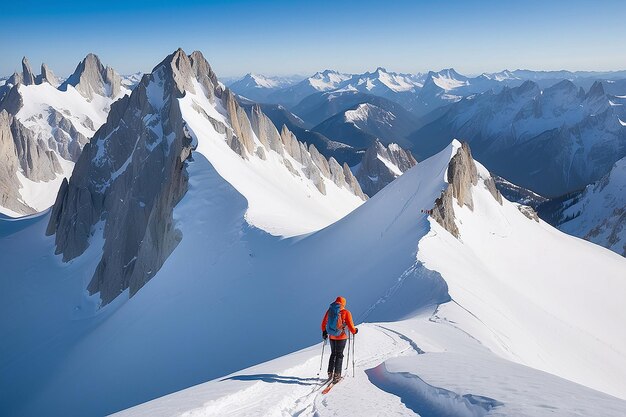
(201, 234)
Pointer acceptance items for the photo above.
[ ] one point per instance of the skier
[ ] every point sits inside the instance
(334, 324)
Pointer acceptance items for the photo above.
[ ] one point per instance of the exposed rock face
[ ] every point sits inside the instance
(242, 140)
(28, 78)
(316, 167)
(130, 177)
(13, 101)
(381, 165)
(47, 76)
(528, 212)
(66, 139)
(91, 78)
(132, 173)
(461, 177)
(265, 130)
(21, 152)
(9, 184)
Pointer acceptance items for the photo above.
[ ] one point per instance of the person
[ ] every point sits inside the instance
(334, 324)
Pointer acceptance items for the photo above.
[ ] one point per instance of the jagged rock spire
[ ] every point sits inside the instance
(47, 76)
(381, 165)
(91, 77)
(462, 176)
(28, 78)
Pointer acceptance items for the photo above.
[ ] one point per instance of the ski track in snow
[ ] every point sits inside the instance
(297, 393)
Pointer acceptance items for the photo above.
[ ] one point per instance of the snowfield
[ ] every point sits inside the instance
(514, 318)
(423, 366)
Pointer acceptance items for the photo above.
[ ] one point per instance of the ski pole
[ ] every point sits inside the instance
(348, 359)
(353, 343)
(322, 359)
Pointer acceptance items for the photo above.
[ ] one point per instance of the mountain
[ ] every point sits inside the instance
(258, 87)
(172, 111)
(280, 116)
(445, 87)
(378, 118)
(319, 82)
(550, 141)
(400, 88)
(518, 194)
(484, 330)
(49, 124)
(474, 249)
(596, 214)
(381, 165)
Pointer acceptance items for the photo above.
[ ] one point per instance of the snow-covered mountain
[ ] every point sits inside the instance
(597, 214)
(194, 239)
(484, 320)
(45, 127)
(551, 141)
(466, 268)
(381, 165)
(280, 116)
(258, 87)
(376, 118)
(180, 106)
(326, 80)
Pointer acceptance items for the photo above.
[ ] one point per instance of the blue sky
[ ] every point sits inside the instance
(287, 37)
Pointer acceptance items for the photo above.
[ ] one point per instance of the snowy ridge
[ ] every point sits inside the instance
(478, 352)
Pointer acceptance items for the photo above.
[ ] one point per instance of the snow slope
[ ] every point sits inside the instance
(598, 214)
(278, 202)
(422, 366)
(179, 331)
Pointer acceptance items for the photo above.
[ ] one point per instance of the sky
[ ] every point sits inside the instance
(302, 37)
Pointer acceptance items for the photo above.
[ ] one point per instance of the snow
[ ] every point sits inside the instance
(598, 214)
(418, 366)
(623, 123)
(366, 113)
(508, 257)
(278, 202)
(327, 80)
(446, 79)
(41, 195)
(86, 116)
(521, 293)
(392, 167)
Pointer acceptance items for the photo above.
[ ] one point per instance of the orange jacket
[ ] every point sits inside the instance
(346, 316)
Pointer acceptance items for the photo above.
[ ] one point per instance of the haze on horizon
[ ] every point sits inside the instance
(296, 37)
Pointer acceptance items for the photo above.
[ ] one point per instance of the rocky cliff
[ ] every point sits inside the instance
(21, 152)
(381, 165)
(132, 173)
(51, 126)
(92, 78)
(462, 175)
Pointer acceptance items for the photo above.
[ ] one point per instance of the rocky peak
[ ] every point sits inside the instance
(92, 78)
(381, 165)
(47, 76)
(15, 79)
(596, 90)
(462, 176)
(21, 151)
(28, 78)
(132, 173)
(128, 179)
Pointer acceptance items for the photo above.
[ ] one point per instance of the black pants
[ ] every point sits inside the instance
(336, 355)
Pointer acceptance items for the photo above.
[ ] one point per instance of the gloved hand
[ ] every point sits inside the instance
(356, 330)
(324, 335)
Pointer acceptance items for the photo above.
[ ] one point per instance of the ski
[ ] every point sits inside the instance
(330, 386)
